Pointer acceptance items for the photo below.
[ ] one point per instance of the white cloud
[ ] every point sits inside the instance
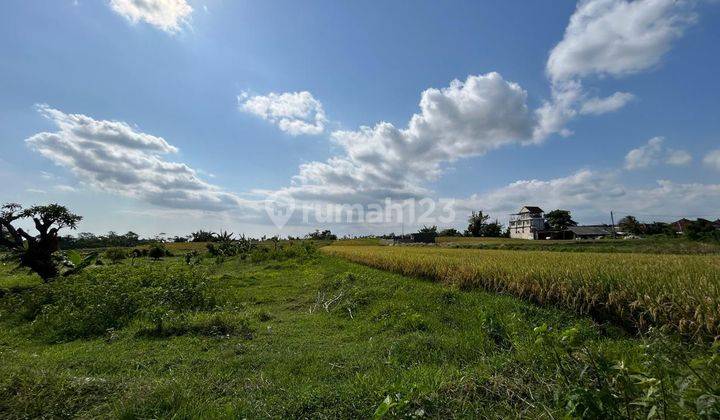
(678, 158)
(294, 112)
(590, 195)
(645, 155)
(168, 15)
(556, 112)
(113, 156)
(568, 101)
(617, 37)
(65, 188)
(653, 153)
(712, 159)
(597, 106)
(464, 119)
(606, 38)
(35, 191)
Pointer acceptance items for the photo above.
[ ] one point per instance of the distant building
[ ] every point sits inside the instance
(590, 232)
(681, 225)
(528, 223)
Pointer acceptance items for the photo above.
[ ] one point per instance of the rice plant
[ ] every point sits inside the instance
(681, 292)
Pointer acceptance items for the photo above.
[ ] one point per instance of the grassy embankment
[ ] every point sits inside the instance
(301, 334)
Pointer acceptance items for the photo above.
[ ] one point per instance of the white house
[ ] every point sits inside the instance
(527, 223)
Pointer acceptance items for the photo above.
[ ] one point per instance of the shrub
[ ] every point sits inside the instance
(91, 303)
(115, 255)
(157, 251)
(303, 250)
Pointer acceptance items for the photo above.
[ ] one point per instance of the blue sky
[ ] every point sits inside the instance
(248, 99)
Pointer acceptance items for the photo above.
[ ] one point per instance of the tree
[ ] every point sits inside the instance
(425, 235)
(701, 229)
(449, 232)
(476, 223)
(629, 224)
(659, 228)
(559, 219)
(322, 235)
(202, 236)
(36, 251)
(492, 230)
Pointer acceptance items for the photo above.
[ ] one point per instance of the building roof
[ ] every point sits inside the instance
(590, 230)
(531, 209)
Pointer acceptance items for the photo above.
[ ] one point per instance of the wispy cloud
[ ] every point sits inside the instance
(653, 153)
(712, 159)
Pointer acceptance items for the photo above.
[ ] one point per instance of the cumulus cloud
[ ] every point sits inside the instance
(712, 159)
(592, 194)
(645, 155)
(168, 15)
(466, 118)
(113, 156)
(617, 37)
(607, 38)
(293, 112)
(653, 153)
(555, 113)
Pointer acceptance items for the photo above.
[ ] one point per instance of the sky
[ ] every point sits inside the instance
(177, 115)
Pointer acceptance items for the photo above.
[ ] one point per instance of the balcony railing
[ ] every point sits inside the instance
(526, 216)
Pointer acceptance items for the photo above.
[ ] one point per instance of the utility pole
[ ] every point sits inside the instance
(612, 221)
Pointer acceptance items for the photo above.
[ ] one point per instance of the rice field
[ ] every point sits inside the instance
(680, 292)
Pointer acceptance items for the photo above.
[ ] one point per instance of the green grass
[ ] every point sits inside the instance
(316, 336)
(12, 277)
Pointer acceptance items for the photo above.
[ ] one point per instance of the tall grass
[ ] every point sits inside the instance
(636, 290)
(649, 245)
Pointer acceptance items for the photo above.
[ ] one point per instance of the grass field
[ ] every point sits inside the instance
(636, 290)
(306, 334)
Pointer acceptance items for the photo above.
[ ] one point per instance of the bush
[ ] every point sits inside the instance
(157, 251)
(115, 255)
(302, 250)
(138, 252)
(230, 248)
(89, 304)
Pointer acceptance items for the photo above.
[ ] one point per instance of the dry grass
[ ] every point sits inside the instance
(477, 240)
(635, 290)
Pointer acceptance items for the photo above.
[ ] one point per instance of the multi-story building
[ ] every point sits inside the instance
(527, 223)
